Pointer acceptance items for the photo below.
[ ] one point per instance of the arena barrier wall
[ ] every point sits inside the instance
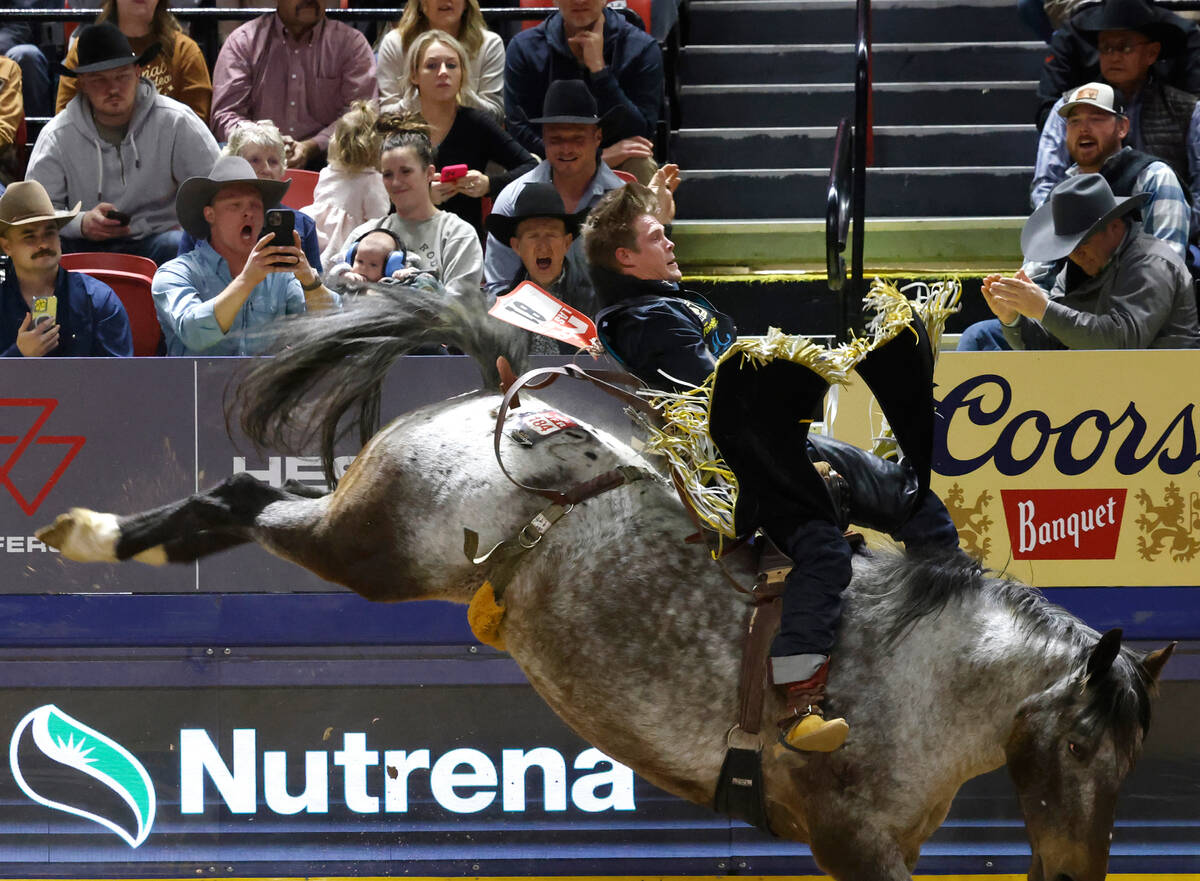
(253, 721)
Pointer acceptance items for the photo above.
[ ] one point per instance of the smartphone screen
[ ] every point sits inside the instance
(281, 222)
(44, 309)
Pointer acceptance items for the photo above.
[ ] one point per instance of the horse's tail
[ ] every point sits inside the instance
(329, 363)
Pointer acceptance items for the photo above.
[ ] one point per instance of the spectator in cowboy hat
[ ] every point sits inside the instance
(87, 318)
(1128, 38)
(540, 232)
(221, 297)
(120, 147)
(1120, 288)
(572, 132)
(618, 64)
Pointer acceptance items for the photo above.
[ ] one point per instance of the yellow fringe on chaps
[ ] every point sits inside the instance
(486, 615)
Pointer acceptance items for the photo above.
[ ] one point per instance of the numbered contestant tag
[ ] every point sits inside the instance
(529, 307)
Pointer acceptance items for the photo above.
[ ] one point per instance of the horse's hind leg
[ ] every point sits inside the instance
(179, 532)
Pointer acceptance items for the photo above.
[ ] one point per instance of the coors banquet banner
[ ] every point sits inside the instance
(1065, 468)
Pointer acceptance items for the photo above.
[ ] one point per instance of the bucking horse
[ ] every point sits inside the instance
(633, 635)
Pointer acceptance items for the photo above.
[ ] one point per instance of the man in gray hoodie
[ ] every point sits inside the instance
(122, 150)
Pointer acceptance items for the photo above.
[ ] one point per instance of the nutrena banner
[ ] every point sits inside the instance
(1065, 468)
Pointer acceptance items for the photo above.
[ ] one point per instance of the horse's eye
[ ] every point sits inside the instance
(1076, 749)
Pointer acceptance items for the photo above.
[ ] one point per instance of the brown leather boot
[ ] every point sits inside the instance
(805, 729)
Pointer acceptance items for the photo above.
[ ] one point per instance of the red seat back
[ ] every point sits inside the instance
(133, 290)
(624, 175)
(86, 261)
(300, 193)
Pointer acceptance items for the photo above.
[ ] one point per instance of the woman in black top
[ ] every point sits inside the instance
(461, 134)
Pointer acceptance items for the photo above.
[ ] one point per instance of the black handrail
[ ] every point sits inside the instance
(852, 305)
(837, 206)
(506, 13)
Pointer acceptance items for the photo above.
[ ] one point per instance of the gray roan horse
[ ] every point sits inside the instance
(633, 636)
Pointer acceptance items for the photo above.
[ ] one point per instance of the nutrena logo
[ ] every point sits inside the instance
(1063, 524)
(65, 741)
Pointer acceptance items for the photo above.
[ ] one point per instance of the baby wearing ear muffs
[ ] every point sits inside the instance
(376, 256)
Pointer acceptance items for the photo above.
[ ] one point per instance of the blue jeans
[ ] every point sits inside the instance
(35, 75)
(812, 595)
(159, 247)
(984, 336)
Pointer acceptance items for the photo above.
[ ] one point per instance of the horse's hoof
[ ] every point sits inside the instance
(83, 536)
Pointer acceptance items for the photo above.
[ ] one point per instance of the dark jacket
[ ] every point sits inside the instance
(666, 337)
(632, 80)
(91, 320)
(1074, 60)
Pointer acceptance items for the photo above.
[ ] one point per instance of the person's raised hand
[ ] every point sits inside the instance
(1020, 295)
(34, 341)
(439, 192)
(664, 184)
(588, 46)
(299, 267)
(299, 153)
(626, 148)
(266, 258)
(474, 184)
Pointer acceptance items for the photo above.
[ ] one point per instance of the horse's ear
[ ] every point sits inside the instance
(1104, 654)
(1154, 662)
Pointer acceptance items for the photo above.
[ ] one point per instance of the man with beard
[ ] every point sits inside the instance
(1129, 37)
(297, 69)
(82, 315)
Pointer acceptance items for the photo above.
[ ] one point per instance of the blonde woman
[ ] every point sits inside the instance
(177, 71)
(261, 144)
(461, 134)
(460, 19)
(350, 189)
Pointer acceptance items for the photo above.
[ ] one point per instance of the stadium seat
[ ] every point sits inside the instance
(86, 261)
(300, 193)
(133, 290)
(624, 175)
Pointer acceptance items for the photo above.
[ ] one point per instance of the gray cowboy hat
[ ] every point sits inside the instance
(569, 102)
(534, 200)
(103, 47)
(1077, 207)
(197, 192)
(25, 202)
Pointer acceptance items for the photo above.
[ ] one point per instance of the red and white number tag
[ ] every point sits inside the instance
(529, 307)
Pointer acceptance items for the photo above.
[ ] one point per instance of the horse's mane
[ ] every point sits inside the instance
(329, 363)
(922, 585)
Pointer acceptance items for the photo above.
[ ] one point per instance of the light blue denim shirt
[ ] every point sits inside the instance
(184, 289)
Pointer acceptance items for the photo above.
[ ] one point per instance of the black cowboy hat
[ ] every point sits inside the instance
(197, 192)
(569, 102)
(1077, 207)
(103, 47)
(1134, 15)
(534, 200)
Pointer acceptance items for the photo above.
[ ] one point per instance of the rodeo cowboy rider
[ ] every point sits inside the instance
(673, 340)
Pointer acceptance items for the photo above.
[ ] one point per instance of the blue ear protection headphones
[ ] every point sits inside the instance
(395, 260)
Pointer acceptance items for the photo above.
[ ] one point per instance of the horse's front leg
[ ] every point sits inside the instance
(858, 851)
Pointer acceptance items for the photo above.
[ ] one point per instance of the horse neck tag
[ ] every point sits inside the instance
(529, 307)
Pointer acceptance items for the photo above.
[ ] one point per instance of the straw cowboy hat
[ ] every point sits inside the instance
(27, 202)
(103, 47)
(196, 193)
(534, 200)
(1077, 207)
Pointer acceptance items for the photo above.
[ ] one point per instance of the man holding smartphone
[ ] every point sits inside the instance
(222, 297)
(45, 310)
